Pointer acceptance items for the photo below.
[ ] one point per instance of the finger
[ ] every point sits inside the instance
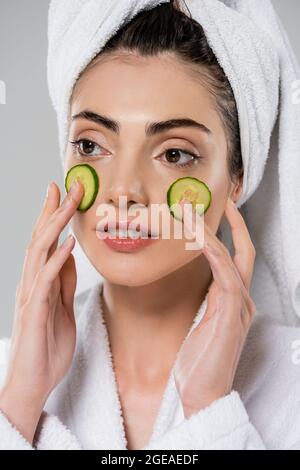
(193, 219)
(223, 272)
(37, 252)
(193, 222)
(48, 273)
(235, 295)
(52, 202)
(68, 278)
(215, 247)
(244, 256)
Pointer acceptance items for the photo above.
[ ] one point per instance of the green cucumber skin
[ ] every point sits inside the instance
(191, 178)
(96, 180)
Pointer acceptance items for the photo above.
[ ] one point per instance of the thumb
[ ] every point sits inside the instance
(68, 278)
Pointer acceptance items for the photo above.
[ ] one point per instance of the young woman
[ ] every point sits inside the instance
(167, 351)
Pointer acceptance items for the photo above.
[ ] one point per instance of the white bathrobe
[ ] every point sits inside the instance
(84, 411)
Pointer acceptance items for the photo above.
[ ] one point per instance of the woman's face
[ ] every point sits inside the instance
(134, 163)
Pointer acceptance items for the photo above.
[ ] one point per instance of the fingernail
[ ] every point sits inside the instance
(49, 187)
(185, 201)
(68, 241)
(75, 185)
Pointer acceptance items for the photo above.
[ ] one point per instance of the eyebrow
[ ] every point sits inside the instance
(151, 129)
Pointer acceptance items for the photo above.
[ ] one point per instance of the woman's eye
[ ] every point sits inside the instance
(181, 157)
(176, 156)
(85, 147)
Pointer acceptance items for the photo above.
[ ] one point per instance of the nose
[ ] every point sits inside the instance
(126, 186)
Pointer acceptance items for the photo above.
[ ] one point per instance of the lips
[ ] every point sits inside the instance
(125, 225)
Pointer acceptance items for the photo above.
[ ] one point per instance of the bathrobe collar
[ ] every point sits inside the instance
(89, 392)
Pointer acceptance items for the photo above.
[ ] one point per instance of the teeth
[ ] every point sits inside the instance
(126, 233)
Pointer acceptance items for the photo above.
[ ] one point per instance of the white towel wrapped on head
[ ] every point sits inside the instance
(253, 49)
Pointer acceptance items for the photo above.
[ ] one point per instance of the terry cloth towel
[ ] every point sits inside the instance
(251, 45)
(84, 411)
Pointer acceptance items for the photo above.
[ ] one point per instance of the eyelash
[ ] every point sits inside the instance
(196, 158)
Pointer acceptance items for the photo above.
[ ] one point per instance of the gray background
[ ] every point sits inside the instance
(28, 133)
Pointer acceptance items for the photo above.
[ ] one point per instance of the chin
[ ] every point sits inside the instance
(129, 274)
(138, 268)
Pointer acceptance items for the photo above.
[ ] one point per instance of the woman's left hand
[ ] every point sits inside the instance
(206, 363)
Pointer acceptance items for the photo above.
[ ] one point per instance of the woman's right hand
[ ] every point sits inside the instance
(44, 331)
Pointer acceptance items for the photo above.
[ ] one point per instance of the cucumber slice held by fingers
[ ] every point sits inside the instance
(192, 189)
(89, 179)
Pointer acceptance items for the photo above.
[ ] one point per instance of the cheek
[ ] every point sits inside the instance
(219, 184)
(159, 259)
(136, 269)
(81, 224)
(70, 159)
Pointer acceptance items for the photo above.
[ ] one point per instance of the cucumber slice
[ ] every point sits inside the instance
(192, 189)
(89, 178)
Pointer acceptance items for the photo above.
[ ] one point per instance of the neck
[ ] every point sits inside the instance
(147, 324)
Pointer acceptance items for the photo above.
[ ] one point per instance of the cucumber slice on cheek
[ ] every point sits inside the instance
(89, 179)
(192, 189)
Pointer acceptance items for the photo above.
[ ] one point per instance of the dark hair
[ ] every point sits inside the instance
(167, 28)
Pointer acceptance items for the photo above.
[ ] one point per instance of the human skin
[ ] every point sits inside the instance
(159, 288)
(207, 362)
(163, 284)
